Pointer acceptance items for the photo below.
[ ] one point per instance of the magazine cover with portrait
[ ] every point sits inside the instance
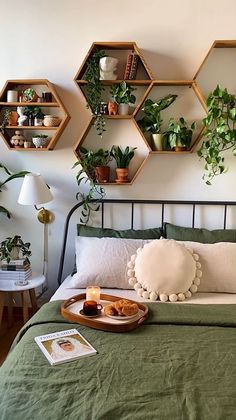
(64, 346)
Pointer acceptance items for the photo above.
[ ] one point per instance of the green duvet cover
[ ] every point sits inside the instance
(181, 364)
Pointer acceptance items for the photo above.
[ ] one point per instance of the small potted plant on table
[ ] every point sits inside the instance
(122, 158)
(179, 134)
(13, 248)
(122, 95)
(151, 122)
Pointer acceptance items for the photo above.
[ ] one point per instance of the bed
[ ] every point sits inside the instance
(180, 364)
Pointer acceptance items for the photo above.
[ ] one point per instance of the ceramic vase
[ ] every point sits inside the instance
(157, 141)
(123, 109)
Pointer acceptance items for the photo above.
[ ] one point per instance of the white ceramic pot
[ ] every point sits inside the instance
(157, 141)
(40, 142)
(12, 96)
(123, 109)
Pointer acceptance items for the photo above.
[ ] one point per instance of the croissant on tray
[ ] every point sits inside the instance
(122, 307)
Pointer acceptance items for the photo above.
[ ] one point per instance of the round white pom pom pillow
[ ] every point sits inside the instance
(166, 270)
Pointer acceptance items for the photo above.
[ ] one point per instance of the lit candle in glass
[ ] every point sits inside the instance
(93, 293)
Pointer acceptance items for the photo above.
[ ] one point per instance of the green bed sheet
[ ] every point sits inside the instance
(180, 364)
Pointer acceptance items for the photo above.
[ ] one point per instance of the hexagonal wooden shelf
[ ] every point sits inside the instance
(139, 159)
(212, 72)
(119, 50)
(185, 101)
(29, 131)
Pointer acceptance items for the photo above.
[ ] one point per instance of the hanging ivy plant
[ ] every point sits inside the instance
(94, 90)
(219, 133)
(88, 161)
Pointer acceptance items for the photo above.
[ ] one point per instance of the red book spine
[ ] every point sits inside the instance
(134, 67)
(128, 66)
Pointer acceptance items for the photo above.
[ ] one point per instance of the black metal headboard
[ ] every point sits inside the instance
(163, 203)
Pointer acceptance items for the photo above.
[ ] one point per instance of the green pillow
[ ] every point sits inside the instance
(180, 233)
(88, 231)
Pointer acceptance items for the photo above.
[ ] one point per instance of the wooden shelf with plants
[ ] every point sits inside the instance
(29, 108)
(116, 69)
(160, 119)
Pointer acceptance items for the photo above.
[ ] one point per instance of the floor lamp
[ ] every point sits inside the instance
(34, 191)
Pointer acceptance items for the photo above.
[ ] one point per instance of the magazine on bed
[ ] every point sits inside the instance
(64, 346)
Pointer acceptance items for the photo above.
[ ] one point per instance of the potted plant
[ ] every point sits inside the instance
(151, 122)
(29, 95)
(10, 177)
(122, 95)
(219, 133)
(97, 164)
(38, 116)
(94, 90)
(122, 158)
(40, 140)
(178, 135)
(87, 174)
(13, 248)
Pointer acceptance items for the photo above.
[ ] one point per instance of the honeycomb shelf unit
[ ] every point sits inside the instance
(54, 107)
(218, 67)
(189, 96)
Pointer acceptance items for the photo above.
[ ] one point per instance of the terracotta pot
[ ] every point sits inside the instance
(122, 175)
(13, 118)
(180, 148)
(102, 174)
(112, 108)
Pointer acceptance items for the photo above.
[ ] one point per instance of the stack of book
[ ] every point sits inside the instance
(131, 66)
(15, 270)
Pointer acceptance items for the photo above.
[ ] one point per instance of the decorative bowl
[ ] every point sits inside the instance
(40, 142)
(51, 121)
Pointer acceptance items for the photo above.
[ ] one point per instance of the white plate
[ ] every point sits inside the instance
(123, 318)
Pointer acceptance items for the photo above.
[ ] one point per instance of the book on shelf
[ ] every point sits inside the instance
(64, 346)
(128, 66)
(134, 67)
(16, 275)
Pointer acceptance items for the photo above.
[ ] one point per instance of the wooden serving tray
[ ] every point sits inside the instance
(70, 310)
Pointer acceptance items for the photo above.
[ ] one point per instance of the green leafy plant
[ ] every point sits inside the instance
(10, 177)
(179, 133)
(94, 90)
(219, 132)
(5, 118)
(89, 160)
(122, 93)
(40, 136)
(8, 245)
(33, 111)
(152, 119)
(122, 157)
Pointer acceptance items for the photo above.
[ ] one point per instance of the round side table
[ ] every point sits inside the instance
(8, 288)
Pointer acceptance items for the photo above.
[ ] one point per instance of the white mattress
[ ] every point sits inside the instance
(65, 292)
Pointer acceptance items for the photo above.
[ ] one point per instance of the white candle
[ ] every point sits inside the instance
(93, 293)
(12, 96)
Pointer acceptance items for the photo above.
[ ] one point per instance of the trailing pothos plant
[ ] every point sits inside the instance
(7, 246)
(219, 133)
(88, 161)
(94, 90)
(10, 177)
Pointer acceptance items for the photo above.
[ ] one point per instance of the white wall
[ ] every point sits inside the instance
(49, 39)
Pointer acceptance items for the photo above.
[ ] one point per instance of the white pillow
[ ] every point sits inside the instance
(218, 266)
(103, 261)
(164, 270)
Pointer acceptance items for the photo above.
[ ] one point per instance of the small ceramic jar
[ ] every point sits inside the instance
(12, 96)
(18, 139)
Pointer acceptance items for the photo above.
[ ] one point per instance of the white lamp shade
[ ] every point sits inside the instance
(34, 190)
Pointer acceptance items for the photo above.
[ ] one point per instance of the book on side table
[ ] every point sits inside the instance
(64, 346)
